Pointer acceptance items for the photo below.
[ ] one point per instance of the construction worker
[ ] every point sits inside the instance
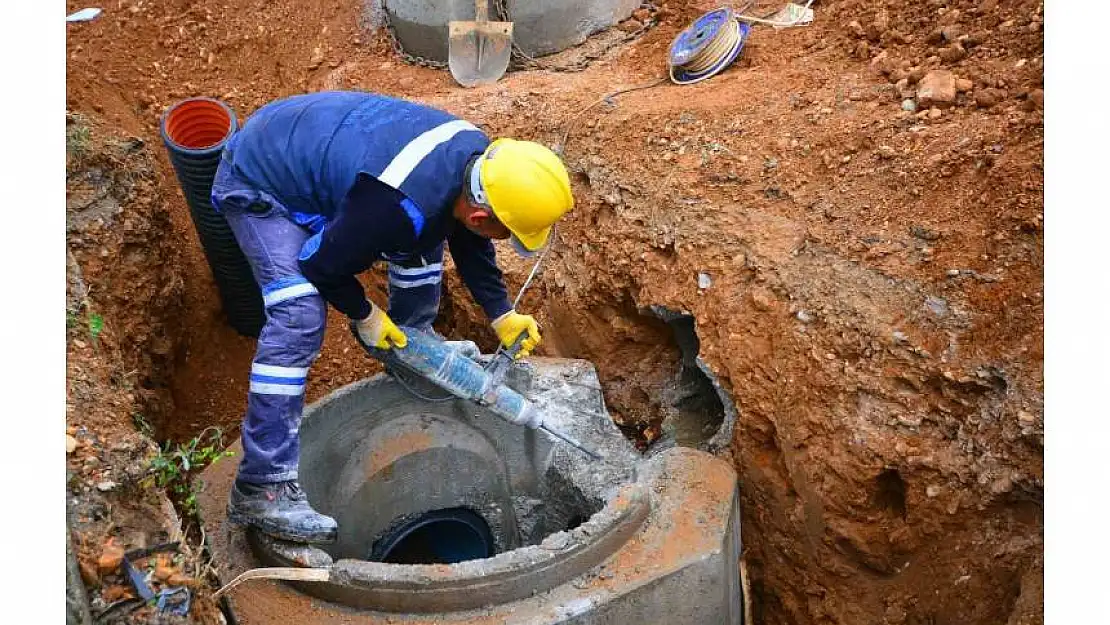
(319, 187)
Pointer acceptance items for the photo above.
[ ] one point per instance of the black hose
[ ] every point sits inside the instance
(191, 130)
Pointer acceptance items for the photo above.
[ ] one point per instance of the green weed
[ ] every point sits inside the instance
(78, 137)
(96, 326)
(142, 425)
(175, 465)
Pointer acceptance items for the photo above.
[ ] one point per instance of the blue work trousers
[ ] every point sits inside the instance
(296, 316)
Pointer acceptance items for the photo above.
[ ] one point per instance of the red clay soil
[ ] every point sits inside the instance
(875, 303)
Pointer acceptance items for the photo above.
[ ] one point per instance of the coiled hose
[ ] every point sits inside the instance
(708, 46)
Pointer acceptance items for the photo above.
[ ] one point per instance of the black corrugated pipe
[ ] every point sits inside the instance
(195, 131)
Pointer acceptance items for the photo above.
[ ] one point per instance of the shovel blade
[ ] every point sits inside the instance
(478, 52)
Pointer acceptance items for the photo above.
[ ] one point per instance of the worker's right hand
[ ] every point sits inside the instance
(378, 330)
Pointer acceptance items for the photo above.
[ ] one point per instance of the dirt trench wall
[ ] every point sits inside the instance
(123, 305)
(890, 466)
(118, 248)
(873, 302)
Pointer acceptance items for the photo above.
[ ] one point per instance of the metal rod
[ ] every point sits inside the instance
(566, 438)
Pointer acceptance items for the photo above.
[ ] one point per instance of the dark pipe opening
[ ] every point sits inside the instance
(437, 537)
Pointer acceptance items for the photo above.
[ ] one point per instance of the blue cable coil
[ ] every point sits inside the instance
(707, 46)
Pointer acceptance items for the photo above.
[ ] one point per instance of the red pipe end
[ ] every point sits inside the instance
(197, 124)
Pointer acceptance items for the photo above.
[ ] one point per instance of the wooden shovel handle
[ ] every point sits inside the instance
(481, 10)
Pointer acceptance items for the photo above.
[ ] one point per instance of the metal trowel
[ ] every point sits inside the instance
(478, 52)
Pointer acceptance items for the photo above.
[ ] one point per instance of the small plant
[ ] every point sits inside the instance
(77, 136)
(142, 425)
(174, 465)
(96, 326)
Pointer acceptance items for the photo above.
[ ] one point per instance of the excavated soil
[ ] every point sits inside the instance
(874, 302)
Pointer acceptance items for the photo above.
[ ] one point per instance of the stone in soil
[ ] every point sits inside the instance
(1036, 96)
(164, 569)
(953, 53)
(111, 556)
(937, 88)
(114, 593)
(180, 579)
(71, 444)
(987, 98)
(88, 573)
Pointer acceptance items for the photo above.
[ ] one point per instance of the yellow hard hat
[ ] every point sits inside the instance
(527, 187)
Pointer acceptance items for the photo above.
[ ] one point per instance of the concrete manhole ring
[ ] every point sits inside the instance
(573, 539)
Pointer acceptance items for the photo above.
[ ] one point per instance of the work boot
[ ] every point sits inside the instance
(280, 510)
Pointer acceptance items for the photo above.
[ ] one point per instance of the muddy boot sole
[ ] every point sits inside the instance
(282, 533)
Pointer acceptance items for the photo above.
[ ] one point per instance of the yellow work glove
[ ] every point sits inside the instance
(378, 330)
(511, 325)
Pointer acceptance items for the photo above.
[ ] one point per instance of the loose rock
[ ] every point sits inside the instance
(1036, 96)
(963, 85)
(111, 556)
(953, 53)
(88, 572)
(936, 305)
(951, 33)
(316, 60)
(164, 569)
(880, 25)
(761, 300)
(71, 444)
(1001, 485)
(114, 593)
(987, 98)
(937, 88)
(630, 25)
(180, 579)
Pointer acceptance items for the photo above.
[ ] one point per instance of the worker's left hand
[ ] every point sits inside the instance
(378, 331)
(511, 325)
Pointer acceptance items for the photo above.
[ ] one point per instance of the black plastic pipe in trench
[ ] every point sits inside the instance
(195, 132)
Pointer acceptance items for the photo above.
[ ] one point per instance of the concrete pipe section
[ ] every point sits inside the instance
(539, 26)
(447, 514)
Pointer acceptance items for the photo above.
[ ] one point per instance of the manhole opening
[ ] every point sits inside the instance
(477, 525)
(438, 537)
(411, 481)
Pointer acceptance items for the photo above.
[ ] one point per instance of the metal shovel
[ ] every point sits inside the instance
(478, 52)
